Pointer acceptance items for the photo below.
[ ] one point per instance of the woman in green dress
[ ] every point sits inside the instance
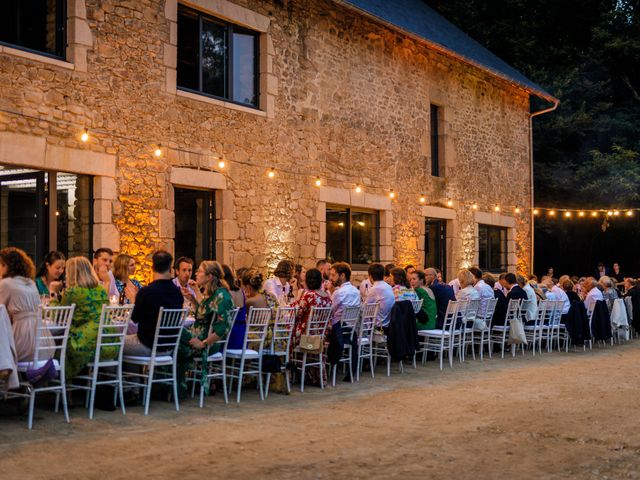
(426, 318)
(212, 323)
(49, 275)
(83, 289)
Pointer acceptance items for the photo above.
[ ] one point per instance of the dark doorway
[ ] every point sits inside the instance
(195, 224)
(435, 244)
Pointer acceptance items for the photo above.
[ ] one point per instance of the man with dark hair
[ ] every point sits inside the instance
(409, 269)
(387, 272)
(484, 290)
(380, 291)
(510, 284)
(442, 292)
(344, 295)
(183, 271)
(102, 263)
(325, 269)
(159, 293)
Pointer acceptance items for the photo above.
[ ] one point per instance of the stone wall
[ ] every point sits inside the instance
(351, 106)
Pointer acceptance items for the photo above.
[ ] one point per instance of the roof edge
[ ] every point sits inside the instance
(448, 52)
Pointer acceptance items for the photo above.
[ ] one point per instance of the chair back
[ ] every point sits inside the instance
(451, 316)
(52, 334)
(350, 317)
(542, 312)
(233, 314)
(168, 331)
(590, 310)
(114, 321)
(318, 319)
(256, 331)
(417, 305)
(282, 329)
(524, 308)
(549, 312)
(557, 312)
(489, 311)
(513, 311)
(368, 314)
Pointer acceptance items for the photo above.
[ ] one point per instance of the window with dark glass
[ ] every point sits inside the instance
(436, 151)
(492, 244)
(38, 25)
(195, 224)
(352, 235)
(217, 58)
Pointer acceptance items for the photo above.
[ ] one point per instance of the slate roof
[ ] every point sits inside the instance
(417, 19)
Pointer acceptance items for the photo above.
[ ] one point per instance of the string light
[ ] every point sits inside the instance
(450, 203)
(581, 214)
(567, 214)
(474, 206)
(552, 213)
(609, 213)
(318, 182)
(497, 208)
(358, 189)
(271, 173)
(594, 214)
(616, 213)
(516, 210)
(629, 213)
(85, 136)
(536, 211)
(392, 194)
(423, 199)
(158, 151)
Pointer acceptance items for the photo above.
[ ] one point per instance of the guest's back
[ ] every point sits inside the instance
(161, 293)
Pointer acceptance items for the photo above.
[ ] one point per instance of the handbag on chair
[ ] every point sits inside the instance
(311, 343)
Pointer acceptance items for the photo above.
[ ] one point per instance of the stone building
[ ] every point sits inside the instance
(253, 130)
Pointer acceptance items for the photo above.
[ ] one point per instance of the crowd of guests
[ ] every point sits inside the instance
(214, 290)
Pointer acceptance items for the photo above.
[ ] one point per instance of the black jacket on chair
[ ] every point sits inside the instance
(402, 336)
(601, 321)
(576, 321)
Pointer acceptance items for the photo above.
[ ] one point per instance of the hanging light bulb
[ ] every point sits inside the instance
(496, 208)
(629, 213)
(158, 151)
(423, 199)
(609, 213)
(474, 206)
(392, 194)
(567, 214)
(536, 211)
(85, 136)
(616, 213)
(581, 214)
(450, 203)
(221, 164)
(552, 213)
(358, 189)
(318, 182)
(517, 210)
(594, 214)
(271, 173)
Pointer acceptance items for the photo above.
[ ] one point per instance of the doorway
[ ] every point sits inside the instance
(435, 245)
(195, 224)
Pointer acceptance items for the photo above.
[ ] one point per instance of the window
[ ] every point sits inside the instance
(352, 235)
(195, 224)
(217, 58)
(436, 150)
(493, 248)
(37, 25)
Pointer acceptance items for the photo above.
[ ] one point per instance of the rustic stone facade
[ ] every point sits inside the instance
(341, 98)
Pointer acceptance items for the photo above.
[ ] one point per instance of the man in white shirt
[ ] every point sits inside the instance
(560, 294)
(183, 270)
(381, 292)
(344, 295)
(279, 285)
(593, 292)
(484, 290)
(532, 310)
(102, 263)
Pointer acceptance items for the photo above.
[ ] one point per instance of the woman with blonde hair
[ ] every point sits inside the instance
(83, 289)
(213, 319)
(123, 270)
(466, 292)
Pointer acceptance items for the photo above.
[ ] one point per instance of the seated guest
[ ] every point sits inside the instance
(83, 289)
(324, 266)
(213, 320)
(617, 272)
(609, 292)
(239, 273)
(279, 285)
(569, 289)
(344, 293)
(426, 317)
(466, 290)
(484, 291)
(559, 294)
(49, 275)
(400, 284)
(515, 292)
(102, 263)
(236, 337)
(593, 293)
(633, 291)
(387, 272)
(123, 270)
(532, 310)
(380, 291)
(364, 287)
(183, 271)
(500, 313)
(161, 292)
(409, 269)
(442, 292)
(314, 296)
(455, 285)
(18, 293)
(252, 282)
(298, 283)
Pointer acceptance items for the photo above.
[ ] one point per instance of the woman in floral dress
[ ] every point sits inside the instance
(83, 289)
(213, 321)
(314, 296)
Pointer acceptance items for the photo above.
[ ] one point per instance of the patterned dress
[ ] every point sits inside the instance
(212, 313)
(83, 334)
(310, 298)
(120, 286)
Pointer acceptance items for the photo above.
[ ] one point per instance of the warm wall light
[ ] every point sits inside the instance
(552, 213)
(616, 213)
(423, 199)
(158, 151)
(341, 224)
(497, 208)
(536, 211)
(581, 214)
(474, 206)
(271, 173)
(362, 224)
(594, 214)
(609, 213)
(221, 164)
(567, 214)
(85, 136)
(450, 203)
(629, 213)
(517, 210)
(358, 189)
(392, 194)
(318, 182)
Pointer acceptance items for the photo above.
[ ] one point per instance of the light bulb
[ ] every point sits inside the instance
(616, 213)
(552, 213)
(609, 213)
(392, 194)
(497, 208)
(358, 189)
(318, 182)
(85, 136)
(581, 214)
(536, 211)
(271, 173)
(474, 206)
(517, 210)
(423, 199)
(221, 164)
(594, 214)
(629, 213)
(158, 152)
(450, 203)
(567, 214)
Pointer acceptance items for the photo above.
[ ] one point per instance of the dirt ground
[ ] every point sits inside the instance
(557, 416)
